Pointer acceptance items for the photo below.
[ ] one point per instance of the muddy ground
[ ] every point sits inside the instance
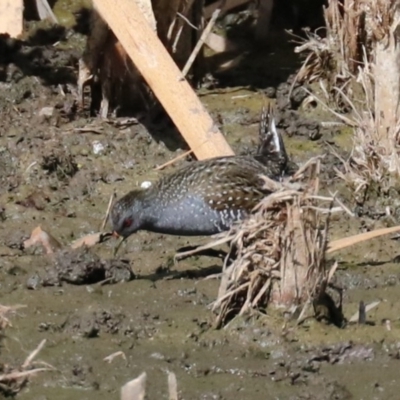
(58, 168)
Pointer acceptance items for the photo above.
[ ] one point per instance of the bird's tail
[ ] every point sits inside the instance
(271, 143)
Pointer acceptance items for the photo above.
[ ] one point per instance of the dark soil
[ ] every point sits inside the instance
(58, 169)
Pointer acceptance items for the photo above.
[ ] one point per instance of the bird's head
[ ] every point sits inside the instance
(127, 214)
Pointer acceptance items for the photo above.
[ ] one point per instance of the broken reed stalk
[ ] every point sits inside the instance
(336, 56)
(203, 38)
(356, 64)
(136, 388)
(174, 160)
(279, 250)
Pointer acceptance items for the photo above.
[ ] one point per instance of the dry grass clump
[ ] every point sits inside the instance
(356, 65)
(353, 27)
(336, 56)
(374, 160)
(279, 251)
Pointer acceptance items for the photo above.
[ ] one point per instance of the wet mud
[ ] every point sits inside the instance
(58, 168)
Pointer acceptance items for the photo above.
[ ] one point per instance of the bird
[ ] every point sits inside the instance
(208, 196)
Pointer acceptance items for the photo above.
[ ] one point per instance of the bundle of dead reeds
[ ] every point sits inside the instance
(279, 251)
(337, 54)
(356, 65)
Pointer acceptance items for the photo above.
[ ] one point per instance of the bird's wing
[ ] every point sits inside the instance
(238, 187)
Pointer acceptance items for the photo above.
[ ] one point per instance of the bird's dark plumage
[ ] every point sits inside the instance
(205, 197)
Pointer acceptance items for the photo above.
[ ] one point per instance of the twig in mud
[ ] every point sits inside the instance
(341, 204)
(88, 129)
(203, 92)
(31, 165)
(123, 122)
(217, 242)
(346, 120)
(34, 353)
(203, 38)
(98, 128)
(15, 375)
(15, 379)
(174, 160)
(110, 203)
(111, 357)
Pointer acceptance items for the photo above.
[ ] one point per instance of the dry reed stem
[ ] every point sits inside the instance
(174, 160)
(206, 32)
(110, 204)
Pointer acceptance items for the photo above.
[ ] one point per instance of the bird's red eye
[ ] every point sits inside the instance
(127, 222)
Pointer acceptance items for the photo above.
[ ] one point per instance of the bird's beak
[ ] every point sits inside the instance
(116, 248)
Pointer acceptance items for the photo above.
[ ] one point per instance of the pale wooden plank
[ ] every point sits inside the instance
(11, 17)
(164, 77)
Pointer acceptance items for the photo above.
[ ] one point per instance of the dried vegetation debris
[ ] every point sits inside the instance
(335, 56)
(15, 378)
(279, 251)
(356, 67)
